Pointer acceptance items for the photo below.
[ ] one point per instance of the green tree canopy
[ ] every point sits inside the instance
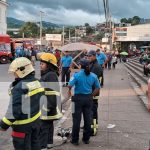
(124, 20)
(134, 21)
(87, 25)
(30, 29)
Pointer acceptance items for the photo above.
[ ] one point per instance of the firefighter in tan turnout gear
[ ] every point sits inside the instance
(51, 109)
(24, 108)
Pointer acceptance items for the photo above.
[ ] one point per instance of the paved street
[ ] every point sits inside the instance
(119, 106)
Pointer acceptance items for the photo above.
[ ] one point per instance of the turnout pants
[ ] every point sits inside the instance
(65, 74)
(94, 117)
(46, 134)
(26, 137)
(82, 105)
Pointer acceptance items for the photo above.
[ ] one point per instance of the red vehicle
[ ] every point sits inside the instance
(5, 49)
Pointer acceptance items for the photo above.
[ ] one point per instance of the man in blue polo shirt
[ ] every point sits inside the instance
(102, 60)
(101, 57)
(65, 65)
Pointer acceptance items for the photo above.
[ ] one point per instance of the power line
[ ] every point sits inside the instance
(98, 6)
(104, 3)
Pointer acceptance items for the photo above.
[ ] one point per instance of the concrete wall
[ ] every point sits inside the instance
(134, 33)
(139, 31)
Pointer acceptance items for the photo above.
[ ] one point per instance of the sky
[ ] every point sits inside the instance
(76, 12)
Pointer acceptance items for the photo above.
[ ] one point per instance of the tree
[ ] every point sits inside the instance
(89, 29)
(136, 20)
(30, 29)
(87, 25)
(129, 20)
(14, 34)
(124, 20)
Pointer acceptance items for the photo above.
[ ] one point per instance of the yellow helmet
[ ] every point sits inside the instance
(21, 66)
(49, 58)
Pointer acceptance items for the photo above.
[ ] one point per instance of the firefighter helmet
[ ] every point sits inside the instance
(49, 58)
(21, 66)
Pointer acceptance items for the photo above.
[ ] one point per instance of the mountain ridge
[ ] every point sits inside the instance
(16, 23)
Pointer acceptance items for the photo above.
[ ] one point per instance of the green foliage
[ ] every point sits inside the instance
(87, 25)
(30, 29)
(124, 20)
(14, 34)
(134, 21)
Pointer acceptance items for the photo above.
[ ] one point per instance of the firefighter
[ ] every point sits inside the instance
(24, 108)
(97, 69)
(51, 108)
(83, 82)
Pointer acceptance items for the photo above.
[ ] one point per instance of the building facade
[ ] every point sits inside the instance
(3, 16)
(138, 35)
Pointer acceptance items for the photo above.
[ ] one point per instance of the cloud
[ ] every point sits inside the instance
(76, 11)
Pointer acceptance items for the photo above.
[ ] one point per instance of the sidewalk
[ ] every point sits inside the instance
(120, 106)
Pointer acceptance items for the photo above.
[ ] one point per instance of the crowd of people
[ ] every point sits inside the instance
(145, 61)
(36, 103)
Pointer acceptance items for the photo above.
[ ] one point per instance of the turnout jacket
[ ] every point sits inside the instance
(51, 109)
(97, 69)
(24, 105)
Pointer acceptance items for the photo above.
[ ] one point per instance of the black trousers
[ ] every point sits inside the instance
(109, 64)
(46, 133)
(26, 137)
(82, 105)
(114, 65)
(102, 77)
(65, 74)
(94, 117)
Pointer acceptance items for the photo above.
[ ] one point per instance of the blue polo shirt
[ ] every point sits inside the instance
(66, 61)
(83, 83)
(101, 58)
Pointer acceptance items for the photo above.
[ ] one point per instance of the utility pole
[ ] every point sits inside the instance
(41, 26)
(69, 36)
(75, 36)
(63, 35)
(23, 35)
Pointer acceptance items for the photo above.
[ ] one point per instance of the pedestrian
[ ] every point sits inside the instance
(109, 60)
(84, 82)
(51, 108)
(65, 66)
(102, 60)
(24, 108)
(98, 70)
(58, 56)
(28, 53)
(114, 61)
(148, 92)
(33, 56)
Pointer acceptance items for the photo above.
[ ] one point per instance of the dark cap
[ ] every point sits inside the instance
(84, 62)
(92, 52)
(98, 50)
